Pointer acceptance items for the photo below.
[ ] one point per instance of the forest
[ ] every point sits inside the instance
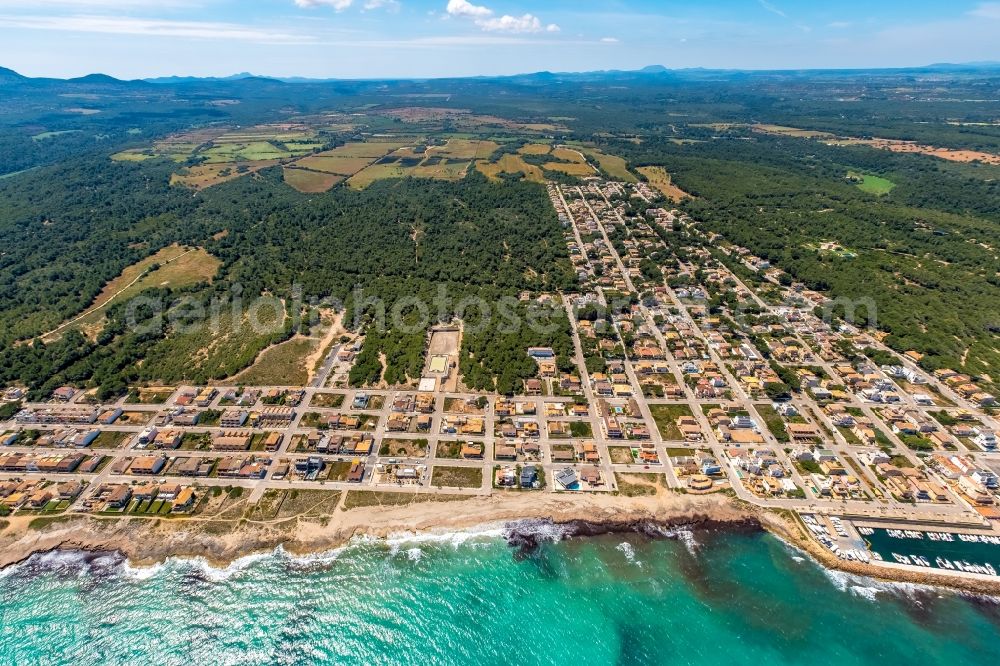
(432, 241)
(71, 220)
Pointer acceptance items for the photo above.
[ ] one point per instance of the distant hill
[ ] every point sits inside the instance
(10, 76)
(648, 73)
(95, 78)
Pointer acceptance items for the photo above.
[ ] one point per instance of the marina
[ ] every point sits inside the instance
(950, 551)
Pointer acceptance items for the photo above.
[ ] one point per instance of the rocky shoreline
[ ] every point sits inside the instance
(525, 526)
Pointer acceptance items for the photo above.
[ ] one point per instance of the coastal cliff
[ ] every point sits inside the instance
(150, 541)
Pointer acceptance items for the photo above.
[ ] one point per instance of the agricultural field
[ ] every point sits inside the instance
(511, 164)
(580, 169)
(464, 149)
(213, 156)
(463, 119)
(448, 162)
(309, 182)
(660, 179)
(535, 149)
(568, 155)
(781, 130)
(206, 175)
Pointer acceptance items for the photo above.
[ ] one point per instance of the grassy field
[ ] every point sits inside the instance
(173, 266)
(309, 182)
(660, 179)
(206, 175)
(792, 131)
(571, 168)
(362, 498)
(568, 155)
(773, 421)
(376, 172)
(615, 166)
(666, 419)
(148, 396)
(620, 455)
(640, 484)
(283, 364)
(443, 170)
(404, 448)
(219, 350)
(535, 149)
(871, 184)
(457, 477)
(343, 166)
(131, 156)
(249, 152)
(348, 159)
(447, 449)
(464, 149)
(329, 400)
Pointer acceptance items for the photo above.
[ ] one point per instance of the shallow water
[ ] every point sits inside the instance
(716, 598)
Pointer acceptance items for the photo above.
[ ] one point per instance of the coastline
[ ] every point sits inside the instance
(146, 543)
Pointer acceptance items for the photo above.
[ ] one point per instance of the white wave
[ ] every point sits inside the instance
(681, 534)
(454, 538)
(414, 554)
(218, 574)
(864, 586)
(539, 529)
(139, 573)
(626, 549)
(869, 588)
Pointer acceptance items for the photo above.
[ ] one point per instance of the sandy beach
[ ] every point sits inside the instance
(147, 542)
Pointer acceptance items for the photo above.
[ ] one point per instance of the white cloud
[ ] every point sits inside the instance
(839, 25)
(989, 10)
(119, 25)
(609, 40)
(91, 5)
(771, 8)
(388, 5)
(483, 17)
(338, 5)
(507, 23)
(466, 9)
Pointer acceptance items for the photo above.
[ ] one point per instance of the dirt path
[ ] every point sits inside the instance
(313, 361)
(47, 336)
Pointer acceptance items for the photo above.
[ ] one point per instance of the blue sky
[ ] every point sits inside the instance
(418, 38)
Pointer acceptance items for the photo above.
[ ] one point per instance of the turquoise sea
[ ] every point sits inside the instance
(474, 598)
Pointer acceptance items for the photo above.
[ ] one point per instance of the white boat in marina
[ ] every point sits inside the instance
(942, 563)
